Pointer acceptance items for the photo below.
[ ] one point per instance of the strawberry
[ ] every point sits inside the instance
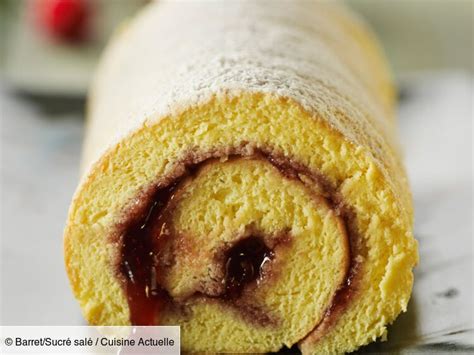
(65, 20)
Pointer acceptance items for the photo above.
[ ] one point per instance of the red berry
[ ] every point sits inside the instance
(64, 19)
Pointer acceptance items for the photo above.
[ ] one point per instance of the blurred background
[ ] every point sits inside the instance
(48, 52)
(51, 47)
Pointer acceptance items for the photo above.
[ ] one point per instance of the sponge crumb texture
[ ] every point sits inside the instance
(303, 82)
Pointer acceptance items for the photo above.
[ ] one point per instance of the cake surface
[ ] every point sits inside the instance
(242, 180)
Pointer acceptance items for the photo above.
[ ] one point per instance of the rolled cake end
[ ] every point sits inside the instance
(248, 234)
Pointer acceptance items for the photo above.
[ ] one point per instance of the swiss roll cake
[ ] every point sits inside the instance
(242, 179)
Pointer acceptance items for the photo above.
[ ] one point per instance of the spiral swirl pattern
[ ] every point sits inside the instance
(241, 179)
